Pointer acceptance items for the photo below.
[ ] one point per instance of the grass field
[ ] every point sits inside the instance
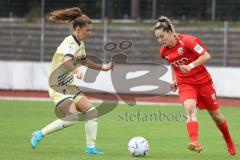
(167, 136)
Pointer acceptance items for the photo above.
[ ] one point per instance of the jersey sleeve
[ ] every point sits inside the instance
(194, 45)
(69, 49)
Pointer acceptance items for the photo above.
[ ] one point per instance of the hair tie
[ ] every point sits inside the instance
(161, 20)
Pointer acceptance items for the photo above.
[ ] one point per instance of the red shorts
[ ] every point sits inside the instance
(204, 94)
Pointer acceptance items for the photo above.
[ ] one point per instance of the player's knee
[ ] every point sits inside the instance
(191, 112)
(91, 113)
(190, 108)
(189, 104)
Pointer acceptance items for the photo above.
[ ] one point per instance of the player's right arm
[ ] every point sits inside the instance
(69, 51)
(69, 65)
(174, 82)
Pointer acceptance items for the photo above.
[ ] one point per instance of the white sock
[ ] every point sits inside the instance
(91, 125)
(59, 124)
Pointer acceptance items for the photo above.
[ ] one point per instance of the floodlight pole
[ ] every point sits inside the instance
(213, 9)
(42, 30)
(154, 5)
(225, 43)
(105, 37)
(103, 8)
(105, 29)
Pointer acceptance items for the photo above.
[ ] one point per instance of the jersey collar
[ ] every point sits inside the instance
(76, 40)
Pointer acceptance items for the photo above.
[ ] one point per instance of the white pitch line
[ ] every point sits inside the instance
(24, 98)
(93, 100)
(139, 102)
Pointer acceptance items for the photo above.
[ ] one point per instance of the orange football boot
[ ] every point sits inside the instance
(195, 147)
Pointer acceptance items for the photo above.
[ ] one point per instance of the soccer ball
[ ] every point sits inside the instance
(138, 147)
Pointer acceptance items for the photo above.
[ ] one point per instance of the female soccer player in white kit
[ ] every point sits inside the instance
(68, 99)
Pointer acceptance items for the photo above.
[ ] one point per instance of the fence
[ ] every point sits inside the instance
(125, 9)
(24, 35)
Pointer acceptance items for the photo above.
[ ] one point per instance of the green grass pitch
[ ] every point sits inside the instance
(167, 135)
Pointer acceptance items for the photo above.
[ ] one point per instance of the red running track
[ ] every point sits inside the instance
(150, 99)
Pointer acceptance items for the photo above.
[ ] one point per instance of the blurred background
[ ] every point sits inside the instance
(28, 41)
(27, 36)
(25, 33)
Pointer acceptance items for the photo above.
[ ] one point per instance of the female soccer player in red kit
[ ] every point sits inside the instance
(187, 56)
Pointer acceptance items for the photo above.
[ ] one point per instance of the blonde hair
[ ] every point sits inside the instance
(165, 24)
(69, 15)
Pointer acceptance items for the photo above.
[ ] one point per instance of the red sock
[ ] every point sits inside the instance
(192, 128)
(224, 129)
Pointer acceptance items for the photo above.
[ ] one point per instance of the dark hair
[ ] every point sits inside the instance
(70, 15)
(165, 24)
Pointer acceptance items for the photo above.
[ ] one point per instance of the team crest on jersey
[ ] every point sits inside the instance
(69, 48)
(180, 51)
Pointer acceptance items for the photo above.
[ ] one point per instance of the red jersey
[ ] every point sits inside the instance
(186, 50)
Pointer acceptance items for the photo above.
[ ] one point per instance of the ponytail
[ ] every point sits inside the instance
(70, 15)
(65, 15)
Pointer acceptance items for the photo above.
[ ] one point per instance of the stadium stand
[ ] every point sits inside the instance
(21, 41)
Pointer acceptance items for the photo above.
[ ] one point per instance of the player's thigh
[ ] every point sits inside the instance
(67, 107)
(186, 92)
(64, 103)
(188, 97)
(82, 103)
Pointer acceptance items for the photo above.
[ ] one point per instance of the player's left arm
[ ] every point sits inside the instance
(90, 64)
(199, 61)
(203, 56)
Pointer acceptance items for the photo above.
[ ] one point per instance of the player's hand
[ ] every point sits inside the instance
(185, 68)
(108, 66)
(174, 86)
(79, 73)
